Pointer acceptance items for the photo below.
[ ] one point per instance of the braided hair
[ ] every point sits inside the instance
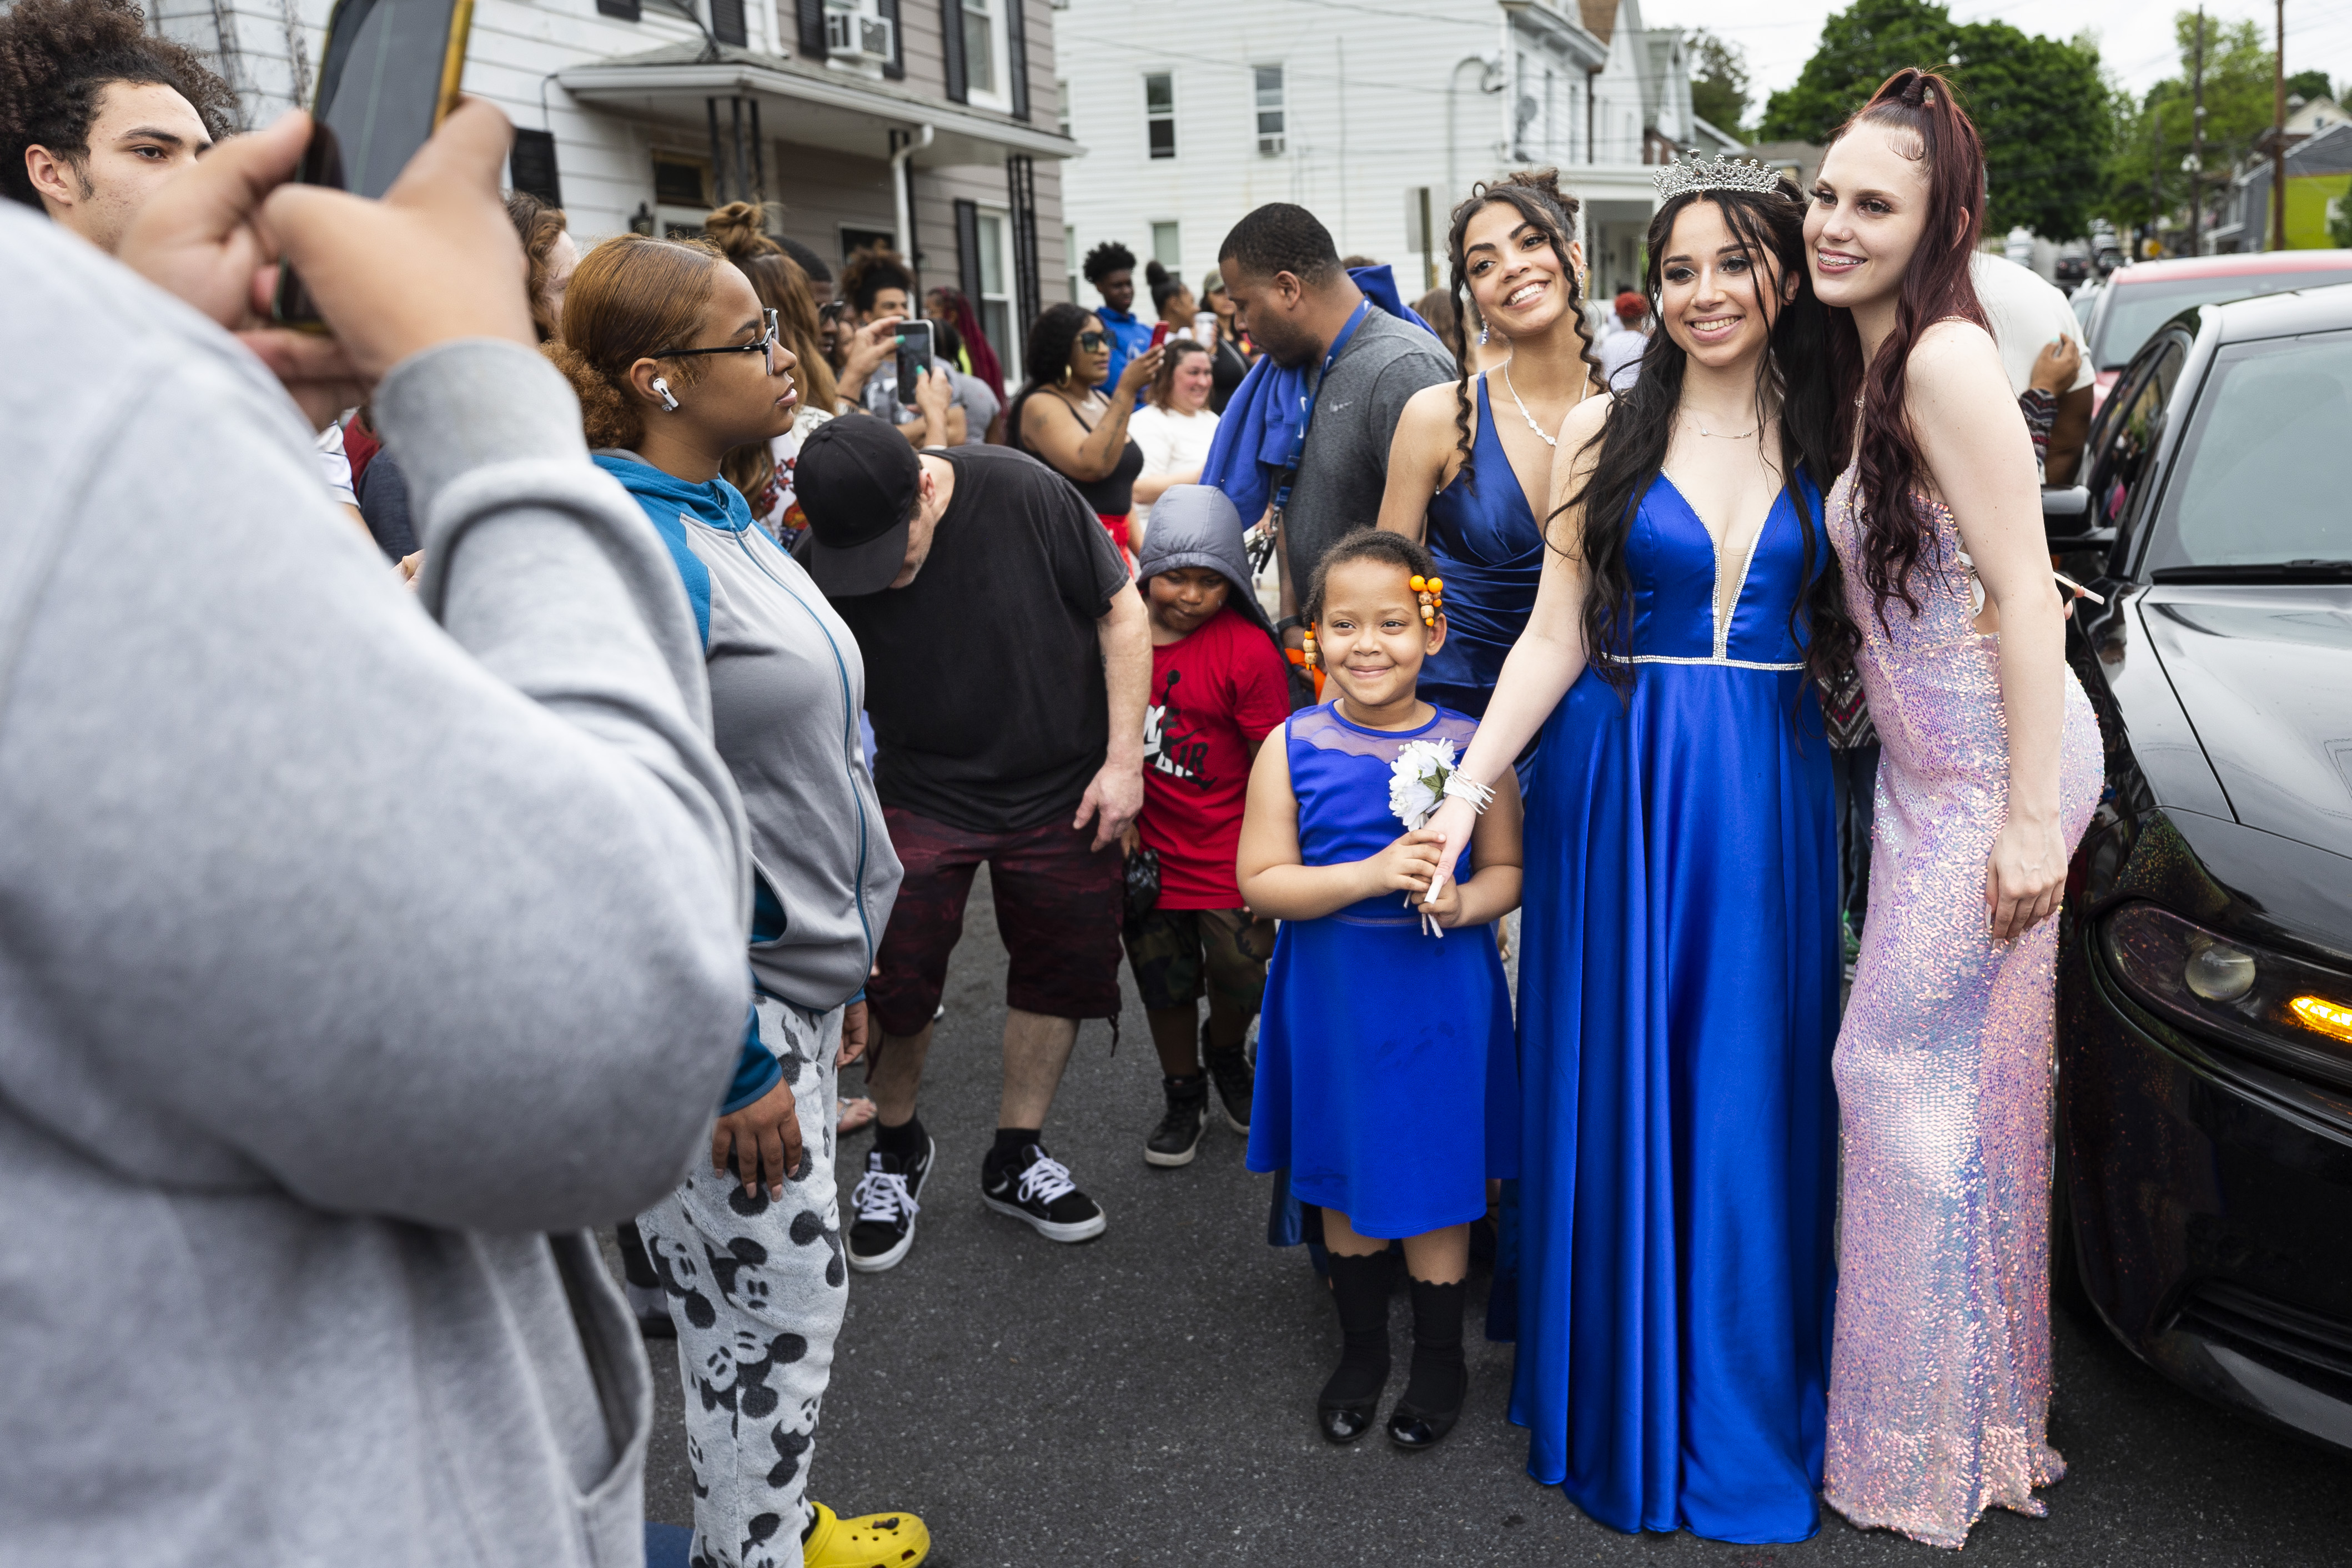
(1537, 195)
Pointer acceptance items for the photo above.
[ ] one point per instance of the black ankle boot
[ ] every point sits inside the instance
(1359, 1290)
(1432, 1396)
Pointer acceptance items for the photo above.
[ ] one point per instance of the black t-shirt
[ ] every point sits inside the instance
(985, 675)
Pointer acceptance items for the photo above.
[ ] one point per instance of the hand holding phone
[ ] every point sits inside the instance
(914, 357)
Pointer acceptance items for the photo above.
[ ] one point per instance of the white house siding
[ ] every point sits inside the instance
(1367, 103)
(269, 50)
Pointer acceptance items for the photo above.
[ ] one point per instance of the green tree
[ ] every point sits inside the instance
(2150, 138)
(2045, 114)
(2308, 85)
(1718, 79)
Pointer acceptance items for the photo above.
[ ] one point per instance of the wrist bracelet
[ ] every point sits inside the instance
(1461, 786)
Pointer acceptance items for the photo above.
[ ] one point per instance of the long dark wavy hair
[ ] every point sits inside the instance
(1537, 196)
(1919, 105)
(1791, 383)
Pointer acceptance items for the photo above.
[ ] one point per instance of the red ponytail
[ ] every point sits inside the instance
(1937, 287)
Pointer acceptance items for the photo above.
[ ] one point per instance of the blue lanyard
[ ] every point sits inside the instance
(1307, 405)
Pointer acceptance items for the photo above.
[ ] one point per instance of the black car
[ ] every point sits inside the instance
(2204, 1179)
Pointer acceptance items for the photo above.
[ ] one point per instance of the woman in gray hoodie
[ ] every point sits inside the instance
(676, 363)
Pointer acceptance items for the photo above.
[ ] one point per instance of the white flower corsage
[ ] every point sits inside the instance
(1424, 774)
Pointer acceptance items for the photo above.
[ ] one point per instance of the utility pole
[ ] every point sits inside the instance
(2278, 134)
(2197, 147)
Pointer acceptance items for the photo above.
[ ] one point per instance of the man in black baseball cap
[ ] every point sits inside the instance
(1006, 660)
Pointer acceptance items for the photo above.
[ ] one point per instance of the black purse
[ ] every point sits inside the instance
(1142, 886)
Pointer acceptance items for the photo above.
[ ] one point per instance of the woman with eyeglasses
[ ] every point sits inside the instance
(676, 363)
(1062, 417)
(762, 470)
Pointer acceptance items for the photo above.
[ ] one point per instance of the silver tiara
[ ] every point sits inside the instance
(1679, 179)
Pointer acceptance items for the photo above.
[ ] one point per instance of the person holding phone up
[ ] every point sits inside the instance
(1062, 417)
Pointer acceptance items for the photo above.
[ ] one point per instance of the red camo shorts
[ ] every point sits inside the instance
(1058, 904)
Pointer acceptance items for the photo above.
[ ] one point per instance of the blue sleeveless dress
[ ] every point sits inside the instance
(1387, 1079)
(1678, 1001)
(1490, 555)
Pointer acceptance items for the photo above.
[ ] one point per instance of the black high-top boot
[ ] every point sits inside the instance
(1359, 1290)
(1432, 1396)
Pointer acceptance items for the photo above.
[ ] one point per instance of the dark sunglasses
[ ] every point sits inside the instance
(833, 310)
(1092, 341)
(762, 345)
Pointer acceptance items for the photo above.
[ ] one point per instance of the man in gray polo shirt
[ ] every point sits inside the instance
(1284, 274)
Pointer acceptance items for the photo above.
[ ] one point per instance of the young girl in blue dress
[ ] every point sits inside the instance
(1387, 1077)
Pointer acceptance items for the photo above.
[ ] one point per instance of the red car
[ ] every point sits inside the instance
(2141, 297)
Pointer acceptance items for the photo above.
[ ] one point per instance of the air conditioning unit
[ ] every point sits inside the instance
(856, 37)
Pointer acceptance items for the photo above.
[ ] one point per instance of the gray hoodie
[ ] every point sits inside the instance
(1194, 525)
(342, 954)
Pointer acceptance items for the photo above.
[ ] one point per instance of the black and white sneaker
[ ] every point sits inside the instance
(1035, 1188)
(1235, 1077)
(1177, 1137)
(885, 1201)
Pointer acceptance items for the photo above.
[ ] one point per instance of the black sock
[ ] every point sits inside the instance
(1360, 1290)
(906, 1140)
(1009, 1141)
(1441, 1376)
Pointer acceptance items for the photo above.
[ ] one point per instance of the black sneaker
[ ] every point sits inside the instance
(1034, 1186)
(1177, 1137)
(886, 1207)
(1236, 1082)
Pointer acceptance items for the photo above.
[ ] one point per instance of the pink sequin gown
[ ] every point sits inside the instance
(1939, 1372)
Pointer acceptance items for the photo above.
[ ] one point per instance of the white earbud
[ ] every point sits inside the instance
(661, 385)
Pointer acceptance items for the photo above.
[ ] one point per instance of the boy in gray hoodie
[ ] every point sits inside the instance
(1218, 685)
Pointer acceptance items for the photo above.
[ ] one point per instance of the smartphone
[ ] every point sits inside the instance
(389, 76)
(1161, 333)
(914, 358)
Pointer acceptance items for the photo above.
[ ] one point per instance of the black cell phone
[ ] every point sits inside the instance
(914, 357)
(390, 77)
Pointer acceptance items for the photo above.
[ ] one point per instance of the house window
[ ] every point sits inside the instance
(1160, 114)
(1070, 257)
(680, 183)
(1273, 126)
(981, 18)
(1167, 247)
(1062, 94)
(995, 301)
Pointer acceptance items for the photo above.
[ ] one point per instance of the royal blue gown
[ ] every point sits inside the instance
(1677, 1008)
(1490, 555)
(1387, 1079)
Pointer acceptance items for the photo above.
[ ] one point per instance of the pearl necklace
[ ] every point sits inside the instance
(1548, 440)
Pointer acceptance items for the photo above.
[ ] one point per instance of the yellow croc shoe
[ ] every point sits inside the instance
(877, 1540)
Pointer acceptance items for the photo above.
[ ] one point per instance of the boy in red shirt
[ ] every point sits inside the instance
(1218, 685)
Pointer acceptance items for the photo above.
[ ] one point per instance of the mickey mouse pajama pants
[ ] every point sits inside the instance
(757, 1287)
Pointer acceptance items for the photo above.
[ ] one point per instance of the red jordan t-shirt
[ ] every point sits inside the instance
(1212, 694)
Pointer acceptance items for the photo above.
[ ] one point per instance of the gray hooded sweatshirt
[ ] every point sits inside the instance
(1195, 525)
(342, 954)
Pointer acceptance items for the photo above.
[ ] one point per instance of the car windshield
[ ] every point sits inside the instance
(2260, 480)
(2137, 310)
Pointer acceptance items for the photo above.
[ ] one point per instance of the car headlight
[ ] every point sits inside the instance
(2293, 1013)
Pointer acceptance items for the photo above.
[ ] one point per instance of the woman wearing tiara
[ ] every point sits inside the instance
(1989, 768)
(1468, 473)
(1678, 982)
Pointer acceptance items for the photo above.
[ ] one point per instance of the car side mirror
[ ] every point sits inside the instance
(2066, 520)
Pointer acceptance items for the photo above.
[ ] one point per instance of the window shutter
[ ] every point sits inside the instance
(531, 167)
(727, 22)
(811, 16)
(967, 221)
(1016, 51)
(895, 68)
(951, 48)
(626, 10)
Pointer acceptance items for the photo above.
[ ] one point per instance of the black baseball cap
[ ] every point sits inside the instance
(858, 482)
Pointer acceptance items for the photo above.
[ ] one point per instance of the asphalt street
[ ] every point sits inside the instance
(1147, 1398)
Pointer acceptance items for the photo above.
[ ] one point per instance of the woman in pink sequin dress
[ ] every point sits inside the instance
(1939, 1372)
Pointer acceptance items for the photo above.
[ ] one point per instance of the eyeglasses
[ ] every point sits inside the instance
(765, 345)
(1092, 341)
(833, 310)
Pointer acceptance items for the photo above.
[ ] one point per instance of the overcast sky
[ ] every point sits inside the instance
(2134, 36)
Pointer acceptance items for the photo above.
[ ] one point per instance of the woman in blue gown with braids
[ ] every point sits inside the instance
(1678, 973)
